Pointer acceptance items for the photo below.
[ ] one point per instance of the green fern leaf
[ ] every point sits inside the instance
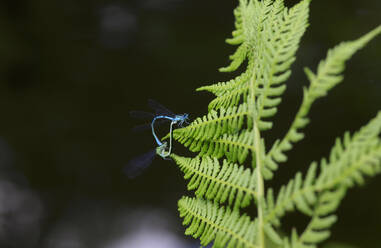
(234, 147)
(238, 39)
(294, 194)
(317, 230)
(350, 160)
(231, 98)
(280, 43)
(267, 34)
(353, 158)
(228, 182)
(222, 88)
(214, 124)
(209, 222)
(270, 54)
(329, 74)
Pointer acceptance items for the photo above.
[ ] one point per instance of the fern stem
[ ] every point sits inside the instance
(260, 188)
(258, 162)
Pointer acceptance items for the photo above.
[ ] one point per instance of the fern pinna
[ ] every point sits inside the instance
(267, 35)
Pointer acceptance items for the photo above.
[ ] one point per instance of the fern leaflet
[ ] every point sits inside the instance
(329, 74)
(228, 182)
(350, 160)
(209, 222)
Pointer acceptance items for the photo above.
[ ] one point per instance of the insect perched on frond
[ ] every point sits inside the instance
(136, 165)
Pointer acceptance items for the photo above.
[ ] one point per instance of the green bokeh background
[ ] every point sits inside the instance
(68, 80)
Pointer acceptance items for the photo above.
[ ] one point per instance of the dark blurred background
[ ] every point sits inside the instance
(70, 71)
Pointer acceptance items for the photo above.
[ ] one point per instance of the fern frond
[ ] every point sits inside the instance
(229, 182)
(239, 93)
(230, 98)
(294, 194)
(221, 88)
(351, 159)
(214, 124)
(267, 35)
(250, 16)
(323, 218)
(210, 222)
(329, 74)
(282, 32)
(247, 14)
(234, 147)
(238, 39)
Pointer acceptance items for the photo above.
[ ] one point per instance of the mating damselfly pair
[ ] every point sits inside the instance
(163, 149)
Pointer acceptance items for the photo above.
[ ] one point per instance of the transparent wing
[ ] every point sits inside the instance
(146, 126)
(137, 165)
(141, 128)
(159, 108)
(141, 115)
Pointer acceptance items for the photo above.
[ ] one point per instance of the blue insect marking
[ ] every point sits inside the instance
(177, 119)
(163, 149)
(161, 115)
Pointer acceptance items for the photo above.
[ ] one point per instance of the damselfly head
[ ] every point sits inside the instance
(182, 119)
